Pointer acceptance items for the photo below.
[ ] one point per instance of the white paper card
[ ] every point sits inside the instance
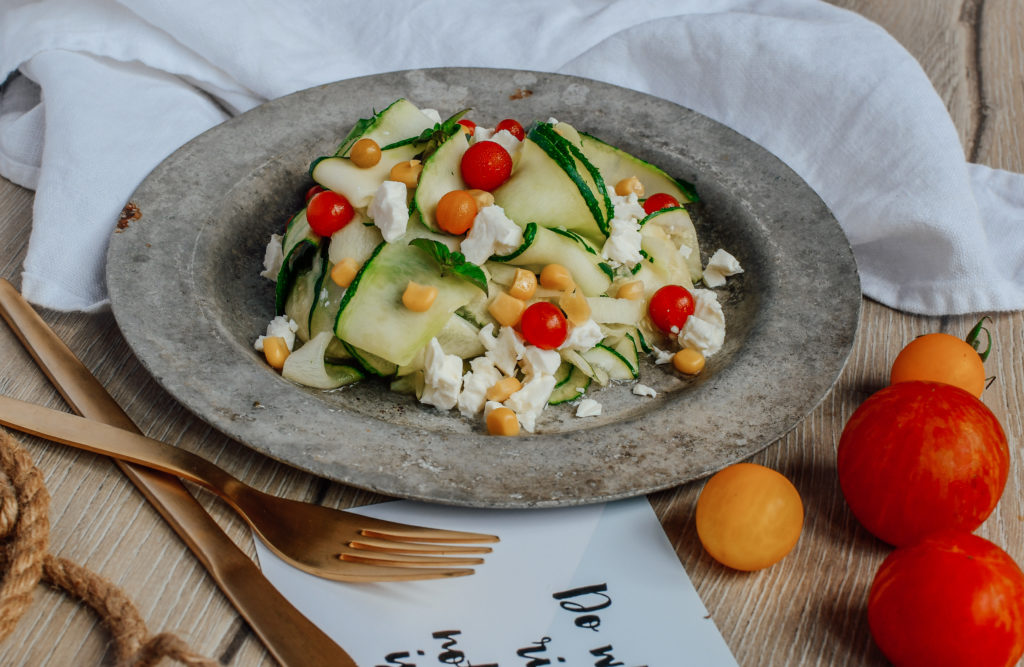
(594, 585)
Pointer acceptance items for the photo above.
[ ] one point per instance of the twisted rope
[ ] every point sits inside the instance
(25, 562)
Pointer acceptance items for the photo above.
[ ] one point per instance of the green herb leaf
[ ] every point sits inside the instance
(452, 262)
(974, 338)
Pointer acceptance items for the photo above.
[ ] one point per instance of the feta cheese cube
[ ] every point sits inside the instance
(442, 377)
(644, 390)
(281, 326)
(506, 350)
(506, 140)
(273, 257)
(390, 210)
(531, 399)
(481, 133)
(624, 239)
(705, 328)
(588, 407)
(661, 356)
(492, 233)
(583, 336)
(720, 265)
(540, 362)
(482, 376)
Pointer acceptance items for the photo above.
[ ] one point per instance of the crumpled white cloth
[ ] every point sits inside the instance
(105, 90)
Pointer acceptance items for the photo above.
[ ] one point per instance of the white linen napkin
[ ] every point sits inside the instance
(118, 86)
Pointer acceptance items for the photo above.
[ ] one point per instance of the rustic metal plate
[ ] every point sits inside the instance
(185, 287)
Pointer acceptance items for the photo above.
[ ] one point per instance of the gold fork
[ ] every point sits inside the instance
(321, 540)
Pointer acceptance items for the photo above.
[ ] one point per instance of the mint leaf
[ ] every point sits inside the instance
(452, 262)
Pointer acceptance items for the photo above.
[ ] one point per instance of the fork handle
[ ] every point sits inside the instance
(288, 635)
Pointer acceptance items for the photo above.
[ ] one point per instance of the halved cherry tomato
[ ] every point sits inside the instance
(469, 125)
(485, 165)
(328, 211)
(512, 126)
(670, 307)
(316, 189)
(544, 325)
(658, 201)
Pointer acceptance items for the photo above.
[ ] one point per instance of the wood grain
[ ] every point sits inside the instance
(807, 610)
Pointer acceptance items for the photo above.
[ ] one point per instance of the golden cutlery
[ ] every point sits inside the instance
(320, 540)
(288, 635)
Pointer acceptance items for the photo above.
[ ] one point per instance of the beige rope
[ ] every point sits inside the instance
(24, 562)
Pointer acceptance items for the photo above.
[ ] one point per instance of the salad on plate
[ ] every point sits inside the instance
(493, 271)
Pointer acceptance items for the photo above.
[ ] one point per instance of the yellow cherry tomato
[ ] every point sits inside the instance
(940, 357)
(749, 516)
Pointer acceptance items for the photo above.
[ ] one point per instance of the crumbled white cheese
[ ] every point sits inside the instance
(720, 265)
(273, 257)
(644, 390)
(507, 140)
(705, 328)
(281, 326)
(583, 336)
(540, 362)
(482, 376)
(390, 210)
(492, 233)
(588, 407)
(662, 356)
(624, 239)
(685, 251)
(481, 133)
(505, 350)
(531, 399)
(442, 377)
(432, 114)
(552, 121)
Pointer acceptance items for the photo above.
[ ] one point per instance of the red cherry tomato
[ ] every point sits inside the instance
(328, 211)
(658, 201)
(468, 124)
(485, 165)
(512, 126)
(316, 189)
(919, 457)
(670, 307)
(951, 599)
(544, 325)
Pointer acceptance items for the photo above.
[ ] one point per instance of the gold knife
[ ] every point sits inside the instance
(288, 635)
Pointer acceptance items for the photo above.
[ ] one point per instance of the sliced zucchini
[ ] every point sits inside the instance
(543, 246)
(298, 246)
(678, 225)
(299, 304)
(572, 387)
(400, 120)
(627, 349)
(359, 184)
(546, 187)
(584, 365)
(324, 312)
(372, 317)
(610, 361)
(459, 337)
(664, 257)
(441, 174)
(374, 364)
(306, 366)
(357, 240)
(609, 310)
(616, 164)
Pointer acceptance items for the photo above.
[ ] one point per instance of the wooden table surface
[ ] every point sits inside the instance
(810, 609)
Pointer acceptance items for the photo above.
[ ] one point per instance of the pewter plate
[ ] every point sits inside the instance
(186, 292)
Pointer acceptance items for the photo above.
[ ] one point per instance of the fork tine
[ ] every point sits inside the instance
(408, 560)
(365, 573)
(390, 546)
(421, 534)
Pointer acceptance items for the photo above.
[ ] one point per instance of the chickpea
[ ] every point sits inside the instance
(688, 361)
(633, 290)
(502, 421)
(628, 186)
(507, 310)
(524, 284)
(503, 388)
(419, 298)
(276, 351)
(406, 172)
(365, 153)
(556, 276)
(483, 197)
(344, 272)
(575, 306)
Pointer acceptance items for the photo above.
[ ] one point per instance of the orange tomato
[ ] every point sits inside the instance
(749, 516)
(456, 211)
(940, 357)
